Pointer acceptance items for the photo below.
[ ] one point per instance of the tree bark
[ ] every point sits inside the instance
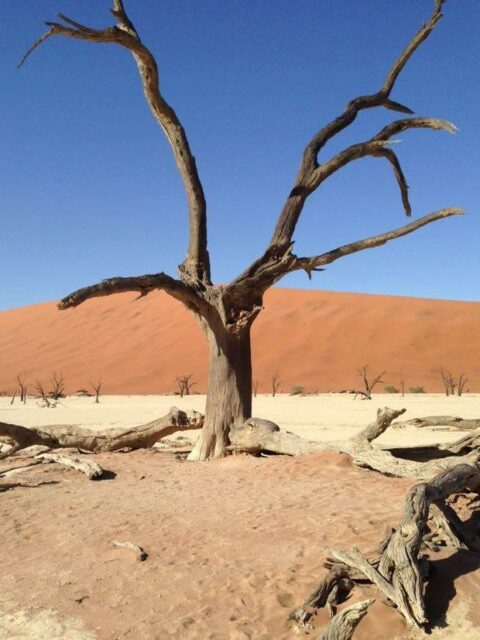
(58, 436)
(229, 394)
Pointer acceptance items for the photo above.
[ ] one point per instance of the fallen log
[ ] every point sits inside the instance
(91, 469)
(398, 572)
(442, 421)
(60, 436)
(257, 435)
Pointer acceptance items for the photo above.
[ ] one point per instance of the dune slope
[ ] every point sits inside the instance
(314, 339)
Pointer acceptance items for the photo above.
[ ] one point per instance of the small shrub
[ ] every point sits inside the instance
(416, 390)
(297, 390)
(391, 389)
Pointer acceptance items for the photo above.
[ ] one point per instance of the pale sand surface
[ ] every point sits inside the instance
(321, 417)
(233, 544)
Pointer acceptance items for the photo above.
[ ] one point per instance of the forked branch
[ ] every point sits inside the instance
(310, 174)
(196, 266)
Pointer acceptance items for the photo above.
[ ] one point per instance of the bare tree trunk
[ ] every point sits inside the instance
(229, 395)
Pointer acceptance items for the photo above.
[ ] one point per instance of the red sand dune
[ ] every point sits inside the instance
(315, 339)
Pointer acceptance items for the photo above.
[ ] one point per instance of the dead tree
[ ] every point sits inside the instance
(275, 383)
(58, 386)
(403, 382)
(96, 386)
(255, 387)
(44, 396)
(22, 387)
(184, 385)
(226, 311)
(368, 385)
(462, 381)
(448, 381)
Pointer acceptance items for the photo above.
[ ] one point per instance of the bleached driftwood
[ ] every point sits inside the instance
(442, 421)
(59, 436)
(91, 469)
(398, 572)
(141, 553)
(257, 435)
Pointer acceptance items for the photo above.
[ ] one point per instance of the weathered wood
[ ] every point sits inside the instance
(343, 624)
(91, 469)
(142, 555)
(257, 435)
(58, 436)
(442, 421)
(319, 597)
(400, 570)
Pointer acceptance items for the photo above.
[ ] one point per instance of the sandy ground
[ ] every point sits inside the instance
(233, 544)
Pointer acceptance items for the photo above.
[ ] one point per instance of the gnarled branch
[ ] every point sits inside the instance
(141, 284)
(278, 259)
(306, 180)
(196, 266)
(316, 262)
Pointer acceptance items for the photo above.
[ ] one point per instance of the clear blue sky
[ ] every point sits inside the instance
(88, 187)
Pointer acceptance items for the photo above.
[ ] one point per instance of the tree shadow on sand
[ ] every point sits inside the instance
(441, 589)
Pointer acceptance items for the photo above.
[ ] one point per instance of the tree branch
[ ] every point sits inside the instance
(263, 274)
(196, 266)
(308, 179)
(142, 284)
(313, 263)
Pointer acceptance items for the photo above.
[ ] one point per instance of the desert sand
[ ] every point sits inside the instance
(233, 544)
(314, 339)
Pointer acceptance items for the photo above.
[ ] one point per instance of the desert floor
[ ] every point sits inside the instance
(233, 544)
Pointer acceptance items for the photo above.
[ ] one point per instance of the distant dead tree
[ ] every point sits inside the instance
(403, 382)
(22, 386)
(184, 385)
(21, 390)
(58, 386)
(255, 387)
(275, 383)
(96, 386)
(226, 311)
(368, 384)
(46, 398)
(448, 381)
(462, 381)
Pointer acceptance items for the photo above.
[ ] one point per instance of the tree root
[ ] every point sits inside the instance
(342, 625)
(61, 436)
(400, 568)
(141, 554)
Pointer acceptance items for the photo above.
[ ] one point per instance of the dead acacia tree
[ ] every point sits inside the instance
(403, 382)
(368, 384)
(97, 386)
(226, 312)
(22, 388)
(462, 381)
(184, 385)
(275, 383)
(58, 386)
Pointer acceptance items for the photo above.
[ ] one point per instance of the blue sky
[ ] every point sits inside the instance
(88, 187)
